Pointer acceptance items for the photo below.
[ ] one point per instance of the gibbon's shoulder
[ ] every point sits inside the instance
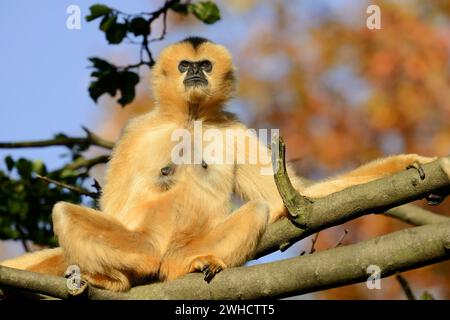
(153, 117)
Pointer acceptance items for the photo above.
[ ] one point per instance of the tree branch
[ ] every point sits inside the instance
(86, 163)
(82, 191)
(396, 252)
(405, 287)
(403, 250)
(374, 197)
(415, 215)
(90, 139)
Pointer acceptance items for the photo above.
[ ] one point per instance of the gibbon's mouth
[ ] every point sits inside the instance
(194, 81)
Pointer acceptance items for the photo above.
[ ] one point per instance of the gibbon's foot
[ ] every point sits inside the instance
(433, 199)
(416, 165)
(209, 265)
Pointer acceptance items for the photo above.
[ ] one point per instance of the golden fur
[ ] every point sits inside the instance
(148, 227)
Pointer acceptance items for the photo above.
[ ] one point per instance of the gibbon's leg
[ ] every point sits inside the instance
(229, 244)
(108, 254)
(371, 171)
(49, 261)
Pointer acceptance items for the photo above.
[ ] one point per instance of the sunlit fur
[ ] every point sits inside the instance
(149, 228)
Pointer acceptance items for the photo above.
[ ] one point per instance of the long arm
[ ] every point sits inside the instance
(371, 171)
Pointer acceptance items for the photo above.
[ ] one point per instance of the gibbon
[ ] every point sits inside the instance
(159, 219)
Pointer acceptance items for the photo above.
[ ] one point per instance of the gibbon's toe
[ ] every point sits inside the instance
(417, 162)
(209, 265)
(417, 166)
(210, 272)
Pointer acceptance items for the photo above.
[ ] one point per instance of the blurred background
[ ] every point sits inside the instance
(341, 94)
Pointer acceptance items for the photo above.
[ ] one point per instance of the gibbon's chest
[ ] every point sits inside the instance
(198, 156)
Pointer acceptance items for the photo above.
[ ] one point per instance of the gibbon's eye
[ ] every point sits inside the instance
(183, 66)
(206, 65)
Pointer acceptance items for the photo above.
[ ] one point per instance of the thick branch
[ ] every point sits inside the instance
(44, 284)
(400, 251)
(374, 197)
(408, 213)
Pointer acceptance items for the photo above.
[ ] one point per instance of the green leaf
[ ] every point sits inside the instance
(108, 82)
(139, 26)
(116, 33)
(95, 90)
(9, 163)
(178, 7)
(128, 81)
(107, 22)
(24, 168)
(101, 64)
(97, 11)
(60, 136)
(206, 11)
(67, 173)
(426, 296)
(38, 166)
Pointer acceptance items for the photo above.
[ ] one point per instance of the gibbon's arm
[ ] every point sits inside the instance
(371, 171)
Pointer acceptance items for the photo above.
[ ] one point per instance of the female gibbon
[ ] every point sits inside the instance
(161, 218)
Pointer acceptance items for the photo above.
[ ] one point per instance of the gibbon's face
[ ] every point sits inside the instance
(194, 70)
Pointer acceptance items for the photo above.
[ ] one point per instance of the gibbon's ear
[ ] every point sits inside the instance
(168, 74)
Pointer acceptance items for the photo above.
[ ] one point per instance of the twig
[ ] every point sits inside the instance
(97, 186)
(145, 38)
(23, 236)
(341, 238)
(151, 61)
(313, 243)
(60, 184)
(86, 163)
(405, 287)
(164, 30)
(97, 140)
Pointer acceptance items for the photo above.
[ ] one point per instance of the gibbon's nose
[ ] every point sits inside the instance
(194, 69)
